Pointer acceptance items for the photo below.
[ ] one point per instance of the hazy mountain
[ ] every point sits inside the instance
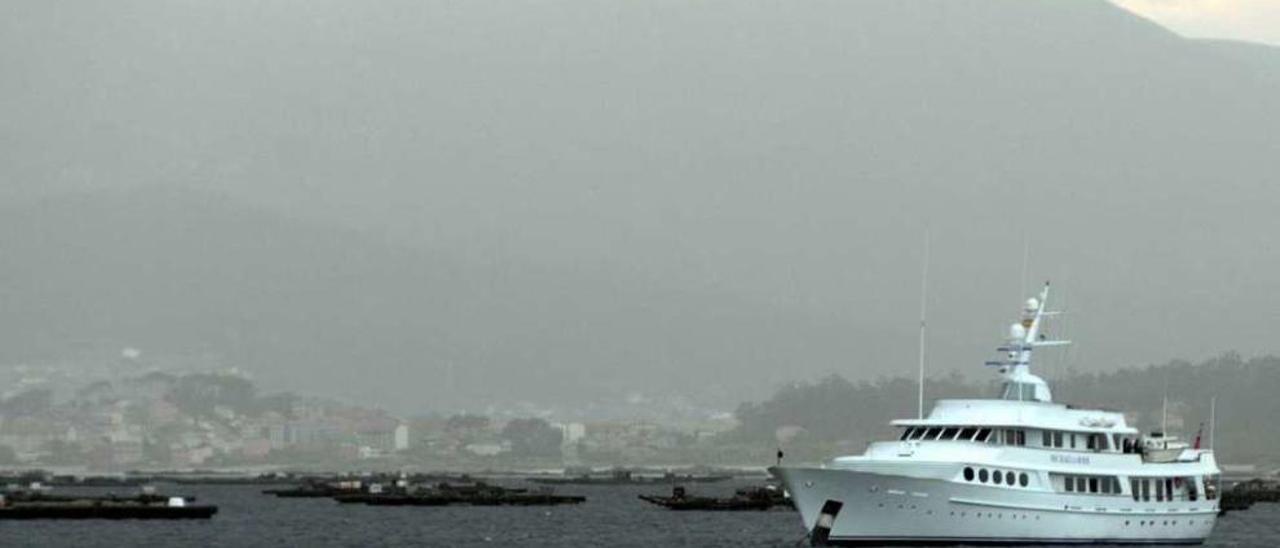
(662, 192)
(1262, 59)
(310, 307)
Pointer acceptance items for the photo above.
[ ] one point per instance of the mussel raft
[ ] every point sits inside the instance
(757, 498)
(40, 506)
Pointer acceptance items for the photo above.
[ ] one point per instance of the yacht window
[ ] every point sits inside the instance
(1082, 485)
(1008, 478)
(1073, 441)
(1093, 485)
(996, 477)
(1146, 489)
(983, 433)
(1023, 480)
(1057, 439)
(1028, 392)
(1069, 483)
(1133, 486)
(1046, 438)
(967, 433)
(918, 433)
(949, 433)
(1159, 490)
(906, 434)
(982, 475)
(1090, 442)
(933, 433)
(1168, 487)
(968, 473)
(1022, 437)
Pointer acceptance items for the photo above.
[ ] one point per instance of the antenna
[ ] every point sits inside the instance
(1164, 409)
(1213, 419)
(1026, 255)
(924, 287)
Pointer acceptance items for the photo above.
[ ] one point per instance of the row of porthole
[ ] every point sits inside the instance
(996, 477)
(903, 507)
(994, 515)
(1150, 523)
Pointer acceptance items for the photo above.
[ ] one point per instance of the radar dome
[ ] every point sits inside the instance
(1033, 304)
(1017, 332)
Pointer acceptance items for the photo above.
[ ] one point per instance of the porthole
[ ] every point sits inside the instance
(1023, 480)
(1008, 478)
(968, 473)
(982, 475)
(997, 477)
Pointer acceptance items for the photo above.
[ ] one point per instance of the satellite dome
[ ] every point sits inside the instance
(1017, 332)
(1033, 304)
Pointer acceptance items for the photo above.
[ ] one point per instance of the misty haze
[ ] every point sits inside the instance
(505, 235)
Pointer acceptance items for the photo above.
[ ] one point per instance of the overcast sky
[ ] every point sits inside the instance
(1251, 20)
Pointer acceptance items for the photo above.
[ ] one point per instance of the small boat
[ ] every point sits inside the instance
(1160, 447)
(759, 498)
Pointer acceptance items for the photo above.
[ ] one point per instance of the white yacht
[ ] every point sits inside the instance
(1017, 469)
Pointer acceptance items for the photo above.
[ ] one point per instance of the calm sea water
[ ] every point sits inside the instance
(612, 516)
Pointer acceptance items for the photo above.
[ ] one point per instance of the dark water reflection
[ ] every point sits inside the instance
(612, 516)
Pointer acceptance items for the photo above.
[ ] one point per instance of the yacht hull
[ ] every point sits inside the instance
(882, 508)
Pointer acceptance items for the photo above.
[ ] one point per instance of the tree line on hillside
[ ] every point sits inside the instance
(834, 409)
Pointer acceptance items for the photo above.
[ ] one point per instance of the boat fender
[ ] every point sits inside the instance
(826, 519)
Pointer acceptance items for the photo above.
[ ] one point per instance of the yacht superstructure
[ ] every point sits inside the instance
(1017, 469)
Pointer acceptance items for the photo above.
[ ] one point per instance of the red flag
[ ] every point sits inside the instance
(1198, 432)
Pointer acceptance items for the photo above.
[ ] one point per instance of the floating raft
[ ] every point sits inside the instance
(1246, 494)
(310, 492)
(70, 507)
(446, 494)
(624, 477)
(522, 499)
(759, 498)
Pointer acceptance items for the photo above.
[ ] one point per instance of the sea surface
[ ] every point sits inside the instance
(611, 516)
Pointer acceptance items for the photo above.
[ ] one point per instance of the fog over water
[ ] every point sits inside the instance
(426, 204)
